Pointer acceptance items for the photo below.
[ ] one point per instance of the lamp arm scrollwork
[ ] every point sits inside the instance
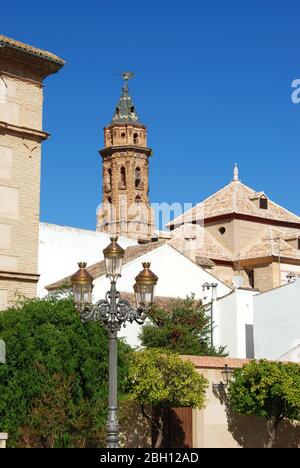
(113, 312)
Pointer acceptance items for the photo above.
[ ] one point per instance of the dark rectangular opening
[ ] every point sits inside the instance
(249, 341)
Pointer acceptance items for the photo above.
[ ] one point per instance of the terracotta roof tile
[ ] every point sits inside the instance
(270, 243)
(205, 247)
(215, 362)
(6, 41)
(165, 303)
(235, 198)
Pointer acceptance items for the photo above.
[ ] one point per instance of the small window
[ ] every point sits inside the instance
(123, 135)
(109, 200)
(137, 177)
(138, 199)
(132, 109)
(194, 222)
(263, 203)
(109, 178)
(117, 110)
(250, 274)
(222, 230)
(135, 138)
(123, 177)
(172, 227)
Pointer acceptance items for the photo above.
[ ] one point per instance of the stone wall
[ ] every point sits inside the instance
(21, 135)
(267, 276)
(217, 426)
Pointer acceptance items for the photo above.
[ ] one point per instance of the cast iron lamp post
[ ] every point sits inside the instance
(113, 312)
(205, 288)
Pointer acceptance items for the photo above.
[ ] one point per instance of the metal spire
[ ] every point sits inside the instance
(125, 111)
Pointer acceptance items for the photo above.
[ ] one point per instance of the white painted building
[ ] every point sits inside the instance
(277, 321)
(61, 248)
(178, 275)
(248, 323)
(233, 319)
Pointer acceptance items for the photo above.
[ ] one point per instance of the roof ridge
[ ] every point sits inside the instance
(199, 203)
(31, 49)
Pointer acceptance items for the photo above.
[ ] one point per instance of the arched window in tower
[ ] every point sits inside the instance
(135, 138)
(123, 177)
(132, 109)
(109, 179)
(138, 199)
(137, 177)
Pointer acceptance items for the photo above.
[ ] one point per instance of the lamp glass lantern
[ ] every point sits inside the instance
(226, 374)
(113, 257)
(82, 283)
(144, 287)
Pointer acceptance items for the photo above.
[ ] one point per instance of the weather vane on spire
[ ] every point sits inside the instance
(127, 75)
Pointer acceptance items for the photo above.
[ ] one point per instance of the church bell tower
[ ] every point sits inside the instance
(125, 208)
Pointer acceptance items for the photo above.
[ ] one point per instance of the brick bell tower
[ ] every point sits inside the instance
(125, 208)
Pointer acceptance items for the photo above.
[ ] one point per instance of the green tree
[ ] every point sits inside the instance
(54, 386)
(185, 329)
(267, 389)
(163, 380)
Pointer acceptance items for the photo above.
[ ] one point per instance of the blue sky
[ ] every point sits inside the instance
(213, 85)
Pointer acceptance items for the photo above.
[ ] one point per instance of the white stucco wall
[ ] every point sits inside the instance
(277, 321)
(232, 313)
(178, 277)
(61, 248)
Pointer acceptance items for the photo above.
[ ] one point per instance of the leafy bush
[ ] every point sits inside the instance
(54, 384)
(267, 389)
(185, 329)
(162, 379)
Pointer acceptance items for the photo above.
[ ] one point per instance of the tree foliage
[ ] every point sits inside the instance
(162, 379)
(185, 329)
(267, 389)
(54, 384)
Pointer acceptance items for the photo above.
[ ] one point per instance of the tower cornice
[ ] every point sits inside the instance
(126, 125)
(111, 150)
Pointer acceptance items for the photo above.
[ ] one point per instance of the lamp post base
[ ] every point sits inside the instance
(112, 427)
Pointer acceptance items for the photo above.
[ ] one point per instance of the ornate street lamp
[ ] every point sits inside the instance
(226, 373)
(82, 283)
(113, 312)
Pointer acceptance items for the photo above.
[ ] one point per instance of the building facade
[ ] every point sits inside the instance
(125, 208)
(22, 71)
(252, 241)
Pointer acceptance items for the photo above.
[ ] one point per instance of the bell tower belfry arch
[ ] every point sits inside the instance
(125, 208)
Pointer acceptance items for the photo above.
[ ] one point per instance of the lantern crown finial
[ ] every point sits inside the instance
(146, 276)
(113, 250)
